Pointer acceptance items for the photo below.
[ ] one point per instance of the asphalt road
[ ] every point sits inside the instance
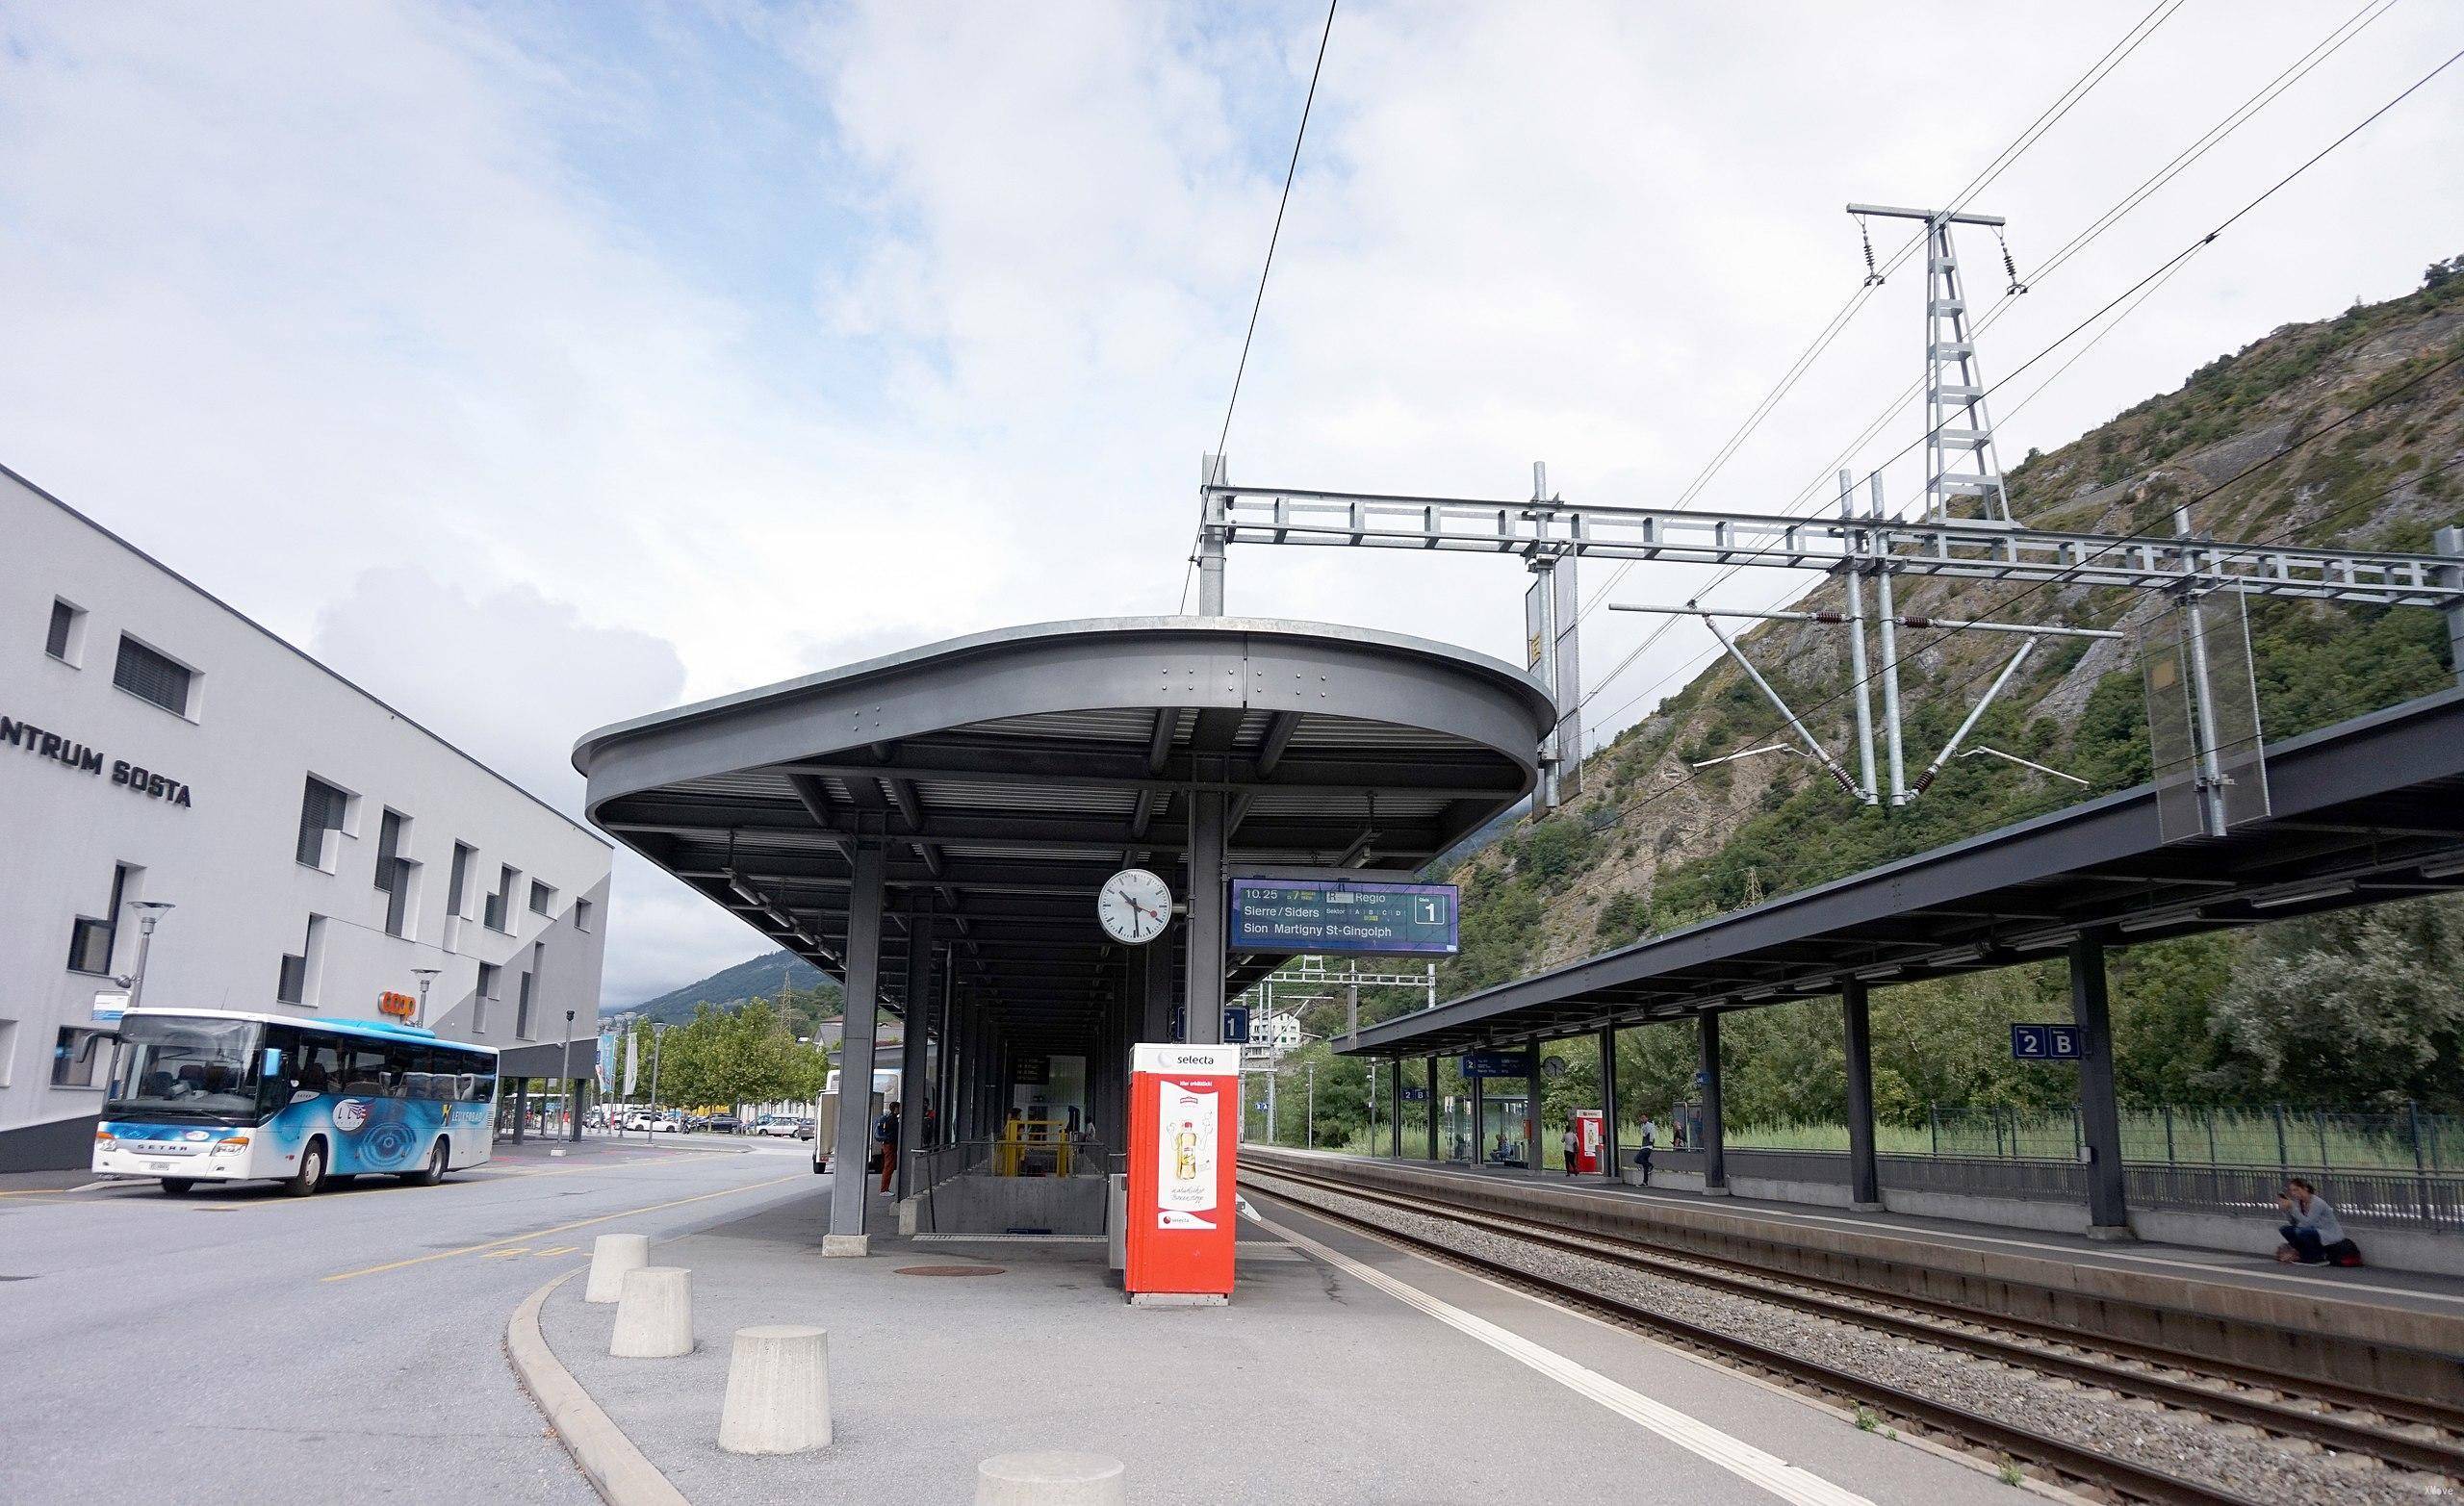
(234, 1344)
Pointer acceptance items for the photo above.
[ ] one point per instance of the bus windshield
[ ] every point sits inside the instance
(186, 1066)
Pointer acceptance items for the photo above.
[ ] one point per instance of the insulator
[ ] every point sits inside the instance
(2010, 268)
(1873, 278)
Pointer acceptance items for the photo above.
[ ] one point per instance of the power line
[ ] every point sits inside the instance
(2001, 161)
(1290, 171)
(2150, 283)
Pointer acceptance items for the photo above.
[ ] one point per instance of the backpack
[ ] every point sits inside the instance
(884, 1128)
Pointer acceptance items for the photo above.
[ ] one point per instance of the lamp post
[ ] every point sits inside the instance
(573, 1117)
(658, 1032)
(426, 976)
(149, 911)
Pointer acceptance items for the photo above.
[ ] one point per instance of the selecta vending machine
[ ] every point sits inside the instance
(1181, 1207)
(1591, 1139)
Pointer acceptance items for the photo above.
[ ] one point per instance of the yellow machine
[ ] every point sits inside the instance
(1033, 1148)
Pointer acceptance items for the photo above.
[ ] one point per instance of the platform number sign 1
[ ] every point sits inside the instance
(2045, 1043)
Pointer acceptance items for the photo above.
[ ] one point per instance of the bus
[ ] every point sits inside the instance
(216, 1095)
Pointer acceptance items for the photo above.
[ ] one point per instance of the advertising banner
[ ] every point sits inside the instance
(1181, 1202)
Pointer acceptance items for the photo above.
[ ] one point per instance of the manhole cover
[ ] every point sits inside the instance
(950, 1270)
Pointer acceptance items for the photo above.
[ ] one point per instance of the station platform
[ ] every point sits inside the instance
(2229, 1302)
(1345, 1368)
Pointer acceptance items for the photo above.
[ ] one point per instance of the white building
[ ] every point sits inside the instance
(318, 846)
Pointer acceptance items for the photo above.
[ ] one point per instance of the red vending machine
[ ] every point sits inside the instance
(1183, 1105)
(1591, 1138)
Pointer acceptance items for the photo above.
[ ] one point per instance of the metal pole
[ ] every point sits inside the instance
(1609, 1107)
(1274, 1069)
(1864, 1177)
(1310, 1132)
(2100, 1115)
(1885, 610)
(1821, 755)
(1715, 1161)
(1432, 1109)
(910, 1058)
(1976, 713)
(658, 1037)
(573, 1086)
(1857, 653)
(144, 951)
(2211, 768)
(847, 1234)
(1203, 1021)
(1209, 544)
(1396, 1114)
(2450, 542)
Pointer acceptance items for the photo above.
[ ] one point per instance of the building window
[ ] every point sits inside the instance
(8, 1051)
(78, 1055)
(67, 628)
(489, 972)
(294, 979)
(543, 899)
(526, 992)
(499, 903)
(153, 677)
(457, 882)
(397, 875)
(582, 916)
(91, 940)
(322, 809)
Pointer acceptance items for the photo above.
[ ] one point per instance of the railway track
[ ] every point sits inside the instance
(2406, 1432)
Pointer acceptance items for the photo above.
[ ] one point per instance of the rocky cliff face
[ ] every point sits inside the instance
(2362, 421)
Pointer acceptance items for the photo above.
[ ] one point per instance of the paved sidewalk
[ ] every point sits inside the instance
(1311, 1385)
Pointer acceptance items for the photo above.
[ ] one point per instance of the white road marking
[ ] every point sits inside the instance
(1790, 1483)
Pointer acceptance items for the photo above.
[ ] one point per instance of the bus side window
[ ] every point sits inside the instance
(364, 1071)
(465, 1088)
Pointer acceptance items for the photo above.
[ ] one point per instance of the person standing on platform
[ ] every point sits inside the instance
(1643, 1145)
(885, 1135)
(1572, 1145)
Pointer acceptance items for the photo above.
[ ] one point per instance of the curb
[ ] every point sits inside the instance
(615, 1469)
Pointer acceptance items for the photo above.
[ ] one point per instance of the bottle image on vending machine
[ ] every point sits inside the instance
(1184, 1183)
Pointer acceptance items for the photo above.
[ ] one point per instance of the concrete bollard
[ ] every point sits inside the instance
(778, 1399)
(611, 1256)
(1051, 1478)
(653, 1314)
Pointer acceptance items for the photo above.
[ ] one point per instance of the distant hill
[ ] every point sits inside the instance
(763, 977)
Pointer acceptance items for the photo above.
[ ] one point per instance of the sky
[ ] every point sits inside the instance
(544, 365)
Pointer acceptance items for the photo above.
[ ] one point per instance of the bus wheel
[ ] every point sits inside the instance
(175, 1186)
(312, 1171)
(434, 1172)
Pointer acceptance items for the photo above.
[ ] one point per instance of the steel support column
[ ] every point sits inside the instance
(1202, 1014)
(913, 1036)
(846, 1236)
(1716, 1161)
(1864, 1179)
(1608, 1102)
(2451, 541)
(1156, 1027)
(1433, 1110)
(1396, 1134)
(1532, 1156)
(2099, 1113)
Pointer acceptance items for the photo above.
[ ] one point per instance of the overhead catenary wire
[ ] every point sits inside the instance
(1266, 270)
(2144, 286)
(1875, 276)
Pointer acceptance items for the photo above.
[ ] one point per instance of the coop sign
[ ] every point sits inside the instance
(78, 757)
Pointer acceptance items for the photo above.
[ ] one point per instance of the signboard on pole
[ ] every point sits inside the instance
(1287, 915)
(109, 1005)
(1236, 1022)
(2045, 1043)
(1498, 1063)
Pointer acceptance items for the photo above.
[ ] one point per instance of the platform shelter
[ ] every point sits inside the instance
(932, 827)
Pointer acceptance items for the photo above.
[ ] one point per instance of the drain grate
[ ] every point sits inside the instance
(950, 1270)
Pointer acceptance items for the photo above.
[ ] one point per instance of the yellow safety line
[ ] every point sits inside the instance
(541, 1233)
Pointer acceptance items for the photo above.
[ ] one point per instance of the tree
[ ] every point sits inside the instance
(2359, 1008)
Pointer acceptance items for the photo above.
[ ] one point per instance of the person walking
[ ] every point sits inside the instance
(885, 1135)
(1573, 1146)
(1643, 1148)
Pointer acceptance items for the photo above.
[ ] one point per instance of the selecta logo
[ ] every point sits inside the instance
(350, 1115)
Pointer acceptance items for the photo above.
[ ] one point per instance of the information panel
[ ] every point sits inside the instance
(1285, 915)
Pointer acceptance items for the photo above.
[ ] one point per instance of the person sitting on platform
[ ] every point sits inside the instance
(2315, 1236)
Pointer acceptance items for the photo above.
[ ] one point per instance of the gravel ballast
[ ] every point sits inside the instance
(2184, 1444)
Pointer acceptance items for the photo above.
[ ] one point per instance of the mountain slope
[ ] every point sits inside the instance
(763, 977)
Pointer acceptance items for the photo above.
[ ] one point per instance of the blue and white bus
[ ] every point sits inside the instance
(213, 1095)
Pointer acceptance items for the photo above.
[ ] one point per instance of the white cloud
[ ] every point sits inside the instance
(308, 292)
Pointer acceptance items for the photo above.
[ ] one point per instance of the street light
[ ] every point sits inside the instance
(426, 976)
(573, 1120)
(149, 911)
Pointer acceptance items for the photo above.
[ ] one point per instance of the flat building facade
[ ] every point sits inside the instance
(317, 847)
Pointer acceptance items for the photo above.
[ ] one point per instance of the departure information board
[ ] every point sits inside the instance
(1287, 915)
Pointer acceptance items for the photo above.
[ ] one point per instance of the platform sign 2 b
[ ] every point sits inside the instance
(2045, 1043)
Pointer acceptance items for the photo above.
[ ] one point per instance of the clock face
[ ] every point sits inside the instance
(1134, 906)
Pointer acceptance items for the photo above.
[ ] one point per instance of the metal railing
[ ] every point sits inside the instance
(1014, 1188)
